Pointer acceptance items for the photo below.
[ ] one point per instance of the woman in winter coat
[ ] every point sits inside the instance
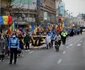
(2, 47)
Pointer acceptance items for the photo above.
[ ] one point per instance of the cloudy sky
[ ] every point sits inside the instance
(75, 6)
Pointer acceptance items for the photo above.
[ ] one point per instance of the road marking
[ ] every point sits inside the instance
(80, 41)
(71, 45)
(59, 61)
(67, 47)
(64, 52)
(78, 44)
(31, 52)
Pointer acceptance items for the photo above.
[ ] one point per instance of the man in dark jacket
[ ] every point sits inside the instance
(27, 41)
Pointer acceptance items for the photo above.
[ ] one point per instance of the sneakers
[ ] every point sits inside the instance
(27, 50)
(1, 60)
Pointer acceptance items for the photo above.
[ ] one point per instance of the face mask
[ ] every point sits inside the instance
(14, 36)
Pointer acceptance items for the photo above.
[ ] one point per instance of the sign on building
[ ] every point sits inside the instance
(27, 4)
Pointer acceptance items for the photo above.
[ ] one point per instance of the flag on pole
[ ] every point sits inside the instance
(6, 20)
(11, 28)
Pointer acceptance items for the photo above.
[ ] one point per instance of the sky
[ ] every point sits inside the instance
(75, 6)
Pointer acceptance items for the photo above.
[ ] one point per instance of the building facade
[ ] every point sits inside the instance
(24, 11)
(30, 11)
(48, 11)
(5, 7)
(80, 21)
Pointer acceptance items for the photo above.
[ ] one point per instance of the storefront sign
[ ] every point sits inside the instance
(27, 4)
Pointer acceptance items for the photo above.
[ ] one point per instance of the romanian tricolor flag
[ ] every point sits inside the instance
(6, 20)
(11, 28)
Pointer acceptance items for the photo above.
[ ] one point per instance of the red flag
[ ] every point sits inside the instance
(59, 29)
(10, 20)
(9, 31)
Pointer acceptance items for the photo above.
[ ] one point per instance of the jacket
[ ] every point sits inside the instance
(64, 34)
(3, 44)
(57, 38)
(48, 39)
(14, 43)
(27, 39)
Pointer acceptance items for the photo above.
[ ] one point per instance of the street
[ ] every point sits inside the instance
(28, 29)
(70, 57)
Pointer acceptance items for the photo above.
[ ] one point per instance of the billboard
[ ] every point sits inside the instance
(62, 8)
(27, 4)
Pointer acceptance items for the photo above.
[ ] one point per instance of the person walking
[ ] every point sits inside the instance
(21, 44)
(63, 36)
(13, 48)
(27, 41)
(57, 41)
(2, 48)
(53, 38)
(48, 40)
(81, 31)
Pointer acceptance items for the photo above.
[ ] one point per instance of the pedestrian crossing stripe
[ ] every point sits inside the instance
(78, 44)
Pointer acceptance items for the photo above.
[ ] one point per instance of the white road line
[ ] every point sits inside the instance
(78, 44)
(31, 52)
(64, 52)
(71, 45)
(59, 61)
(80, 41)
(67, 47)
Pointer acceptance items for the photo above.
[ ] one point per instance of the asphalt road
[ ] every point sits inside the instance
(70, 57)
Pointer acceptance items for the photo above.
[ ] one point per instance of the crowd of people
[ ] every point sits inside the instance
(13, 44)
(18, 41)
